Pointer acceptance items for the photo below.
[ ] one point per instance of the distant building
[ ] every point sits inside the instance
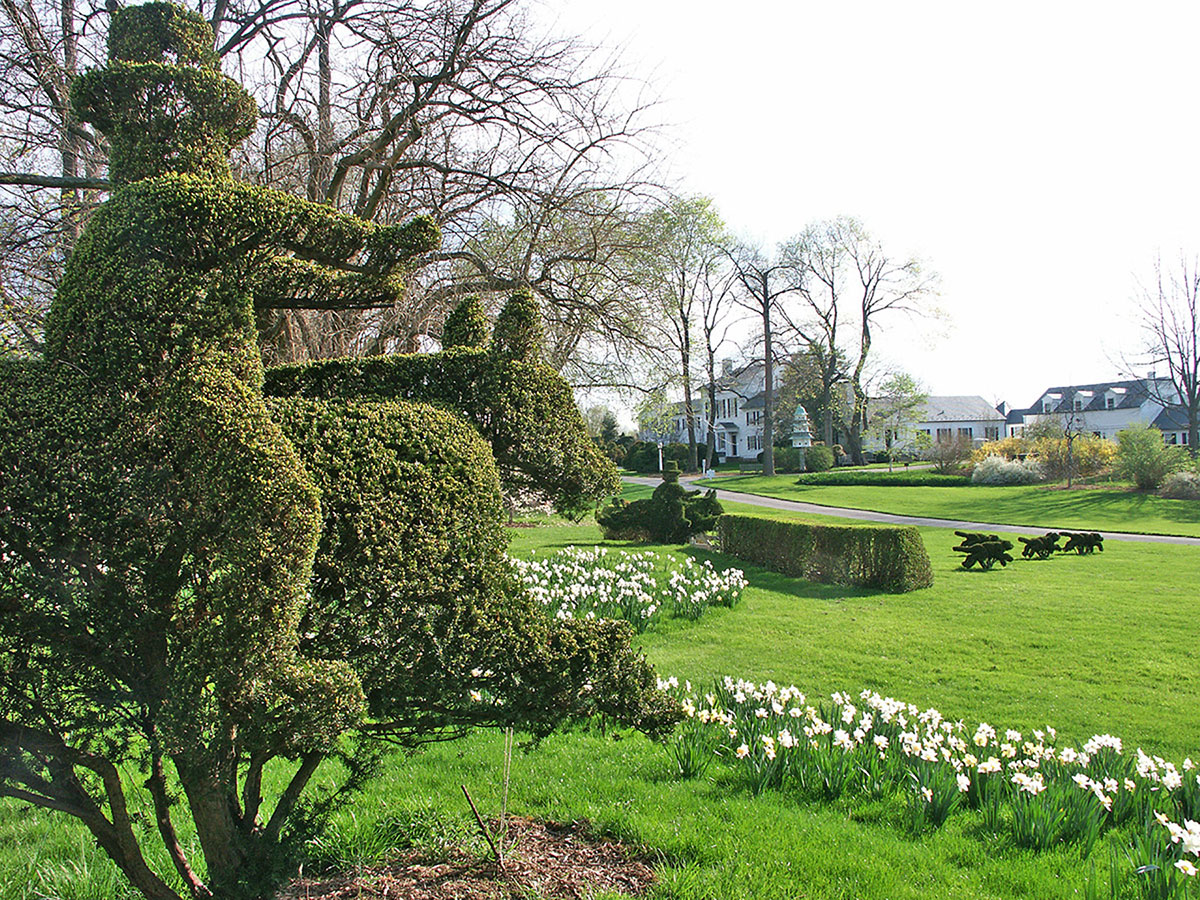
(740, 400)
(1107, 407)
(941, 419)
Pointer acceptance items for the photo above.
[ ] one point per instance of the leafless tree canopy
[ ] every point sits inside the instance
(529, 150)
(847, 280)
(1169, 315)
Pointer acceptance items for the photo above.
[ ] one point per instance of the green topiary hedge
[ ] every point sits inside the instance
(411, 586)
(883, 479)
(523, 408)
(881, 556)
(818, 458)
(670, 515)
(202, 597)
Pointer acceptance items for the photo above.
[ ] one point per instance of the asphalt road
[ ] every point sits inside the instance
(866, 515)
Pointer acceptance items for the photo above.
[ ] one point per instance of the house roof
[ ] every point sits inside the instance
(1172, 418)
(1017, 416)
(972, 408)
(1128, 395)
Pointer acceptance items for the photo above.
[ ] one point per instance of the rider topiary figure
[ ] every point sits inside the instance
(159, 610)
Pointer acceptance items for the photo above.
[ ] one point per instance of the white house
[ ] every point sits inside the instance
(740, 397)
(1105, 408)
(942, 419)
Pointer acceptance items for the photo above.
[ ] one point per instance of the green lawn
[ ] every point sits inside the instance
(1032, 506)
(1087, 644)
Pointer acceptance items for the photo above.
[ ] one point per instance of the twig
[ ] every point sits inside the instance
(478, 818)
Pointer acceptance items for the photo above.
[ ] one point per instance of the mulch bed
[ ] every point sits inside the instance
(542, 859)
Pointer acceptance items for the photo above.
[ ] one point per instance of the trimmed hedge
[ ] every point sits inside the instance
(888, 557)
(523, 408)
(670, 516)
(883, 479)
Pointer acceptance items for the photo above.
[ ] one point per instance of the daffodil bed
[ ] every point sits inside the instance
(1037, 791)
(640, 586)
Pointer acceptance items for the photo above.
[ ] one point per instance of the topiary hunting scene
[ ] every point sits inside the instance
(407, 490)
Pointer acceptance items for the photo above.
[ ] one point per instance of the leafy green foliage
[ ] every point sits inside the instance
(818, 458)
(175, 601)
(671, 515)
(518, 333)
(523, 408)
(1144, 459)
(643, 456)
(886, 557)
(466, 326)
(162, 101)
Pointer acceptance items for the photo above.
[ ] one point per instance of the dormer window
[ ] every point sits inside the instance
(1078, 405)
(1110, 403)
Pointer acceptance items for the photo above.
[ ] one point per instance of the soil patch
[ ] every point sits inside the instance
(543, 859)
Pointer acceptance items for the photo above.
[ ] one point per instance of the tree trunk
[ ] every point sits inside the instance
(859, 415)
(689, 409)
(710, 414)
(768, 452)
(213, 810)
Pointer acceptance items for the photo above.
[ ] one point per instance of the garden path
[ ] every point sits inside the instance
(867, 515)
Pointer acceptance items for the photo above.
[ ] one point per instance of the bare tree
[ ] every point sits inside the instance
(717, 317)
(819, 258)
(845, 271)
(1169, 315)
(763, 284)
(384, 108)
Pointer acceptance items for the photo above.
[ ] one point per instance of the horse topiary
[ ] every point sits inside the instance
(1042, 547)
(984, 550)
(199, 585)
(670, 515)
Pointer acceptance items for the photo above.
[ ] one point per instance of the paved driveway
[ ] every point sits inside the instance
(866, 515)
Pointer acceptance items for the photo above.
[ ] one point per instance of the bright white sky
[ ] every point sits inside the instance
(1037, 155)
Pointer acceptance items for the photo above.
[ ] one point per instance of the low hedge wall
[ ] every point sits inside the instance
(883, 479)
(889, 557)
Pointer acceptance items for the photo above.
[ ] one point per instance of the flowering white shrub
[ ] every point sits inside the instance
(998, 470)
(638, 587)
(1181, 486)
(1043, 792)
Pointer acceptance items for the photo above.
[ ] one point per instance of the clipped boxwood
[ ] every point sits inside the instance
(888, 557)
(522, 407)
(883, 479)
(818, 458)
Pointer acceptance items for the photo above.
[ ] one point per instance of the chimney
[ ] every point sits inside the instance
(1150, 374)
(727, 366)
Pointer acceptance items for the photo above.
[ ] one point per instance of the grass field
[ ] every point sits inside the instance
(1105, 643)
(1033, 506)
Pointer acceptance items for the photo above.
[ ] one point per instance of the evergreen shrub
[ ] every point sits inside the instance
(522, 407)
(883, 479)
(887, 557)
(787, 459)
(466, 326)
(669, 516)
(818, 458)
(202, 597)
